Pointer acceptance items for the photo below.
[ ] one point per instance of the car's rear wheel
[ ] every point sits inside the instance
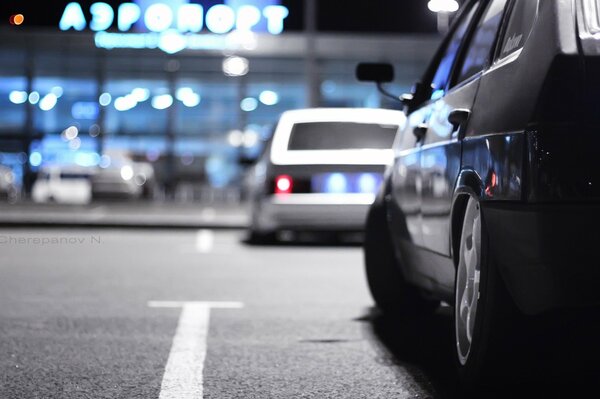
(390, 291)
(483, 311)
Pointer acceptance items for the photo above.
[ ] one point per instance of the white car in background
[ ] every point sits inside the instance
(123, 178)
(8, 188)
(321, 170)
(66, 185)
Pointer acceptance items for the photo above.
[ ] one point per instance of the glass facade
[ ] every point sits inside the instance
(71, 104)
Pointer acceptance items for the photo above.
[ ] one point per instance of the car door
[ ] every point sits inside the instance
(441, 148)
(405, 202)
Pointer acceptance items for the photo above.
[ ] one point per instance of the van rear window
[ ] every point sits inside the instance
(341, 136)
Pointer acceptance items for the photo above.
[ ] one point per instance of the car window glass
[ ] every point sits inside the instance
(442, 74)
(480, 47)
(519, 26)
(341, 136)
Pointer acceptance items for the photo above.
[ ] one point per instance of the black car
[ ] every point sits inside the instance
(493, 202)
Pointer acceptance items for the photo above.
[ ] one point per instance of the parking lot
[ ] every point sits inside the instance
(262, 321)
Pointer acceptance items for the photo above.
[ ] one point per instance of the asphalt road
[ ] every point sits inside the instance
(79, 319)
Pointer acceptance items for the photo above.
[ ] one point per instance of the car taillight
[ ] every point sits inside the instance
(283, 184)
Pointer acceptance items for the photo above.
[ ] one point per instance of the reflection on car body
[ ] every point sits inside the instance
(492, 201)
(321, 170)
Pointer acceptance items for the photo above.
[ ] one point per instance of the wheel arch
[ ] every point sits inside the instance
(469, 184)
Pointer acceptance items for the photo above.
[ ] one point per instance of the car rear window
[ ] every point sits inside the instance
(341, 136)
(73, 176)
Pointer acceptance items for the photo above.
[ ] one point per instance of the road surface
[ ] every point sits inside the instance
(187, 314)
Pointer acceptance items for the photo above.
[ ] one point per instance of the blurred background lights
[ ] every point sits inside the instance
(35, 158)
(250, 138)
(235, 66)
(246, 39)
(75, 144)
(328, 87)
(48, 102)
(94, 130)
(17, 97)
(153, 155)
(443, 5)
(140, 179)
(192, 100)
(268, 97)
(367, 183)
(34, 97)
(187, 96)
(187, 159)
(140, 94)
(235, 138)
(17, 19)
(162, 101)
(105, 161)
(183, 92)
(172, 42)
(125, 103)
(336, 184)
(127, 172)
(87, 159)
(249, 104)
(71, 132)
(105, 99)
(22, 158)
(84, 110)
(57, 91)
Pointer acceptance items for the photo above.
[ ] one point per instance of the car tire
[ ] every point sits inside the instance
(389, 289)
(256, 237)
(485, 318)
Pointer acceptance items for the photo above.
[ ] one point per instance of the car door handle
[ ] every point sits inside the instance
(420, 131)
(458, 119)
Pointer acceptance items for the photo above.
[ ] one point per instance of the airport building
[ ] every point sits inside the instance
(192, 88)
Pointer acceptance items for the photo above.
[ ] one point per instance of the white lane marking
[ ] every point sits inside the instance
(183, 373)
(205, 240)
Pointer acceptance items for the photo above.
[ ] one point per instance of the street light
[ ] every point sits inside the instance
(443, 8)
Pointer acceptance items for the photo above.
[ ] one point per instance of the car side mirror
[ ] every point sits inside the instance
(375, 72)
(379, 73)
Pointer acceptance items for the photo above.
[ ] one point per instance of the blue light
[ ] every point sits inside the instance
(158, 17)
(172, 42)
(336, 184)
(72, 18)
(35, 159)
(85, 110)
(129, 13)
(181, 15)
(367, 183)
(87, 159)
(102, 16)
(220, 18)
(247, 18)
(189, 18)
(275, 16)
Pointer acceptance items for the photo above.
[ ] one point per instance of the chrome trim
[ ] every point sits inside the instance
(322, 199)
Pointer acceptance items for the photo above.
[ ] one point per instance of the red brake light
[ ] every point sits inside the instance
(283, 184)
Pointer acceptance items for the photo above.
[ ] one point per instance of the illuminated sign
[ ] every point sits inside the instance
(182, 17)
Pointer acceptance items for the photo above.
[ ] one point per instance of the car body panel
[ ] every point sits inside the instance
(528, 154)
(306, 208)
